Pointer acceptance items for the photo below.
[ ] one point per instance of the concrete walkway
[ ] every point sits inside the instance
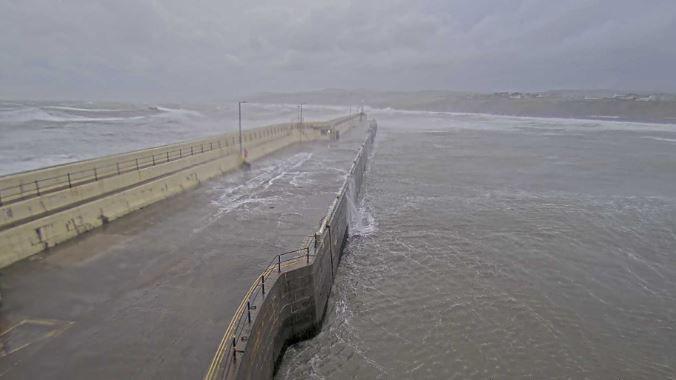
(150, 295)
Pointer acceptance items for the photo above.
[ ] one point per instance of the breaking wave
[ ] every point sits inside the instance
(659, 139)
(25, 115)
(64, 114)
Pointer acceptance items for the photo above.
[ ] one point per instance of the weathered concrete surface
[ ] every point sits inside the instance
(150, 297)
(293, 308)
(61, 215)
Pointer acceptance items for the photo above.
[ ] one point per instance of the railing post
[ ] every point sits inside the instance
(96, 176)
(69, 184)
(37, 187)
(263, 283)
(137, 164)
(211, 146)
(307, 255)
(191, 150)
(279, 264)
(0, 197)
(180, 153)
(153, 160)
(248, 311)
(234, 348)
(117, 165)
(167, 156)
(202, 148)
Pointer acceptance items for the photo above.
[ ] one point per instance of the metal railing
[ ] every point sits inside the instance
(41, 186)
(241, 323)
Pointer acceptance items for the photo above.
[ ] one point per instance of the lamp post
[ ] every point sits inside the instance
(300, 115)
(239, 108)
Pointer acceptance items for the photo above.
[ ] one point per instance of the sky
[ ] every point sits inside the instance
(211, 50)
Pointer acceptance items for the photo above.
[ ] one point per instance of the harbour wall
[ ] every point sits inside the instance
(288, 301)
(45, 207)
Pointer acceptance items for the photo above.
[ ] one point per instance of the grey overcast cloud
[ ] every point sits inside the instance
(214, 50)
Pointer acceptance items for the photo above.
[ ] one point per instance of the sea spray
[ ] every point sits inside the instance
(360, 218)
(352, 211)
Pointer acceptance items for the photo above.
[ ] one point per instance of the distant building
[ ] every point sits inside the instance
(651, 98)
(632, 97)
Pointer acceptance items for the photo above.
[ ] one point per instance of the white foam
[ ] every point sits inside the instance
(605, 117)
(178, 112)
(659, 139)
(361, 220)
(502, 122)
(252, 191)
(25, 114)
(77, 109)
(28, 114)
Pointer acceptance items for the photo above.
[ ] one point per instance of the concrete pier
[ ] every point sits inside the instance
(287, 302)
(45, 207)
(150, 295)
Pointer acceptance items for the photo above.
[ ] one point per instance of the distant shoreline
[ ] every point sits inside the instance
(616, 119)
(613, 119)
(621, 108)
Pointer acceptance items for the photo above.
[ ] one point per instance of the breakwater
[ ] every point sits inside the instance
(287, 302)
(44, 207)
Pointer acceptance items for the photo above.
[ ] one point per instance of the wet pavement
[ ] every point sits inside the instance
(150, 295)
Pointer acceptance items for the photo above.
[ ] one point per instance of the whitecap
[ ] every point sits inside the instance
(659, 139)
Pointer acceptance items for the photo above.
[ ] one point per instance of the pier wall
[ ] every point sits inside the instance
(288, 301)
(44, 207)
